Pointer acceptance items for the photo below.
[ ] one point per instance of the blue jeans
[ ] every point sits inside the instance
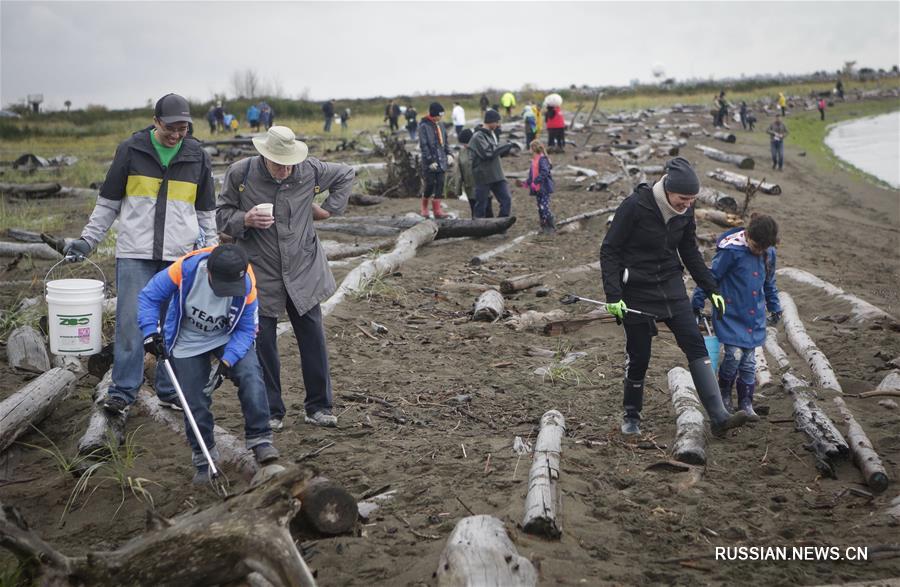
(777, 148)
(500, 189)
(128, 353)
(743, 366)
(193, 374)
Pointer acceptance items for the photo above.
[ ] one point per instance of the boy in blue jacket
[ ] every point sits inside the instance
(212, 312)
(744, 266)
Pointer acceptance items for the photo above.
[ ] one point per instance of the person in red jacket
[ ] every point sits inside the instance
(556, 128)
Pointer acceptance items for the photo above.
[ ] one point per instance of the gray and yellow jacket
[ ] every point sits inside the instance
(164, 212)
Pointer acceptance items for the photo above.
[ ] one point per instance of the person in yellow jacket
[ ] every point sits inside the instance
(508, 101)
(782, 103)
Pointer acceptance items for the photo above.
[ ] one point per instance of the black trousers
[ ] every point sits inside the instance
(434, 184)
(557, 137)
(639, 336)
(310, 334)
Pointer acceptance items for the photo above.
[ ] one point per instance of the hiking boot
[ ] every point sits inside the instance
(725, 386)
(201, 476)
(170, 403)
(745, 400)
(720, 421)
(322, 418)
(265, 453)
(633, 402)
(276, 424)
(115, 405)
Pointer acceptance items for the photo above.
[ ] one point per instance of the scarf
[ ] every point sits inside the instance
(438, 130)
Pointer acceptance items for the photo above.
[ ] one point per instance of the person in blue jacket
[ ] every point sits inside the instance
(540, 184)
(744, 267)
(212, 313)
(253, 117)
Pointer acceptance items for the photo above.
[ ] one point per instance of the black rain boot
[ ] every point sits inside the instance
(745, 400)
(725, 386)
(633, 402)
(720, 421)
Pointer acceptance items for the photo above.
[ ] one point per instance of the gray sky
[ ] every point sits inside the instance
(121, 53)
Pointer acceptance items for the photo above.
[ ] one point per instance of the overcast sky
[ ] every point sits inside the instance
(121, 54)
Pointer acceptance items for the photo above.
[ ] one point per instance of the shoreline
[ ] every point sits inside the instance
(847, 164)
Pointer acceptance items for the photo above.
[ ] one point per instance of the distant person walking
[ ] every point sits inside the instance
(782, 103)
(508, 101)
(220, 117)
(822, 105)
(487, 169)
(458, 115)
(392, 115)
(436, 159)
(556, 129)
(211, 118)
(743, 114)
(465, 177)
(484, 102)
(531, 116)
(345, 117)
(722, 111)
(328, 114)
(266, 115)
(253, 117)
(540, 185)
(412, 126)
(839, 89)
(777, 132)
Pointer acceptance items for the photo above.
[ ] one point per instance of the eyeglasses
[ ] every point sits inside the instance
(180, 130)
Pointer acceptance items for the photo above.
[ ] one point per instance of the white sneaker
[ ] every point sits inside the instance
(276, 424)
(322, 418)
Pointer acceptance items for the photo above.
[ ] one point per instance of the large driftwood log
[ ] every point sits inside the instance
(327, 507)
(740, 182)
(357, 229)
(25, 350)
(447, 227)
(825, 441)
(560, 326)
(690, 436)
(103, 428)
(231, 450)
(488, 306)
(335, 250)
(763, 375)
(483, 257)
(774, 349)
(515, 284)
(405, 248)
(823, 374)
(542, 504)
(718, 200)
(479, 553)
(741, 161)
(33, 403)
(864, 455)
(861, 309)
(34, 250)
(365, 200)
(221, 544)
(718, 217)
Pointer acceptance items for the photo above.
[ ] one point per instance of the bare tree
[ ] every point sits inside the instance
(246, 83)
(67, 104)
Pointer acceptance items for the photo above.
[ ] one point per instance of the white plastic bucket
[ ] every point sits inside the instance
(75, 314)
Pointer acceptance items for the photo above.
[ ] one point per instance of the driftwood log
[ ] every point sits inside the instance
(718, 200)
(447, 227)
(365, 200)
(825, 441)
(33, 403)
(404, 249)
(725, 137)
(221, 544)
(823, 374)
(34, 191)
(690, 436)
(479, 553)
(515, 284)
(25, 350)
(560, 326)
(763, 375)
(862, 310)
(488, 306)
(774, 349)
(740, 161)
(103, 428)
(542, 503)
(532, 320)
(327, 507)
(357, 229)
(864, 455)
(335, 250)
(718, 217)
(740, 182)
(33, 250)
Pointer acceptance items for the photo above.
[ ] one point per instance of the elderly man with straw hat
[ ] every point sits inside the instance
(266, 205)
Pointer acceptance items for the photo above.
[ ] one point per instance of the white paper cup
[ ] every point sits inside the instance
(265, 209)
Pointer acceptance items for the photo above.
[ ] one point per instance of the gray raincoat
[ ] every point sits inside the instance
(287, 258)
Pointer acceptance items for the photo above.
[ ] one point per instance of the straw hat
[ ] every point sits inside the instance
(281, 146)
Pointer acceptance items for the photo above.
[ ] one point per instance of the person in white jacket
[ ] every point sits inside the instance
(459, 117)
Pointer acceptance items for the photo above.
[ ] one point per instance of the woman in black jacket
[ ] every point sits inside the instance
(652, 233)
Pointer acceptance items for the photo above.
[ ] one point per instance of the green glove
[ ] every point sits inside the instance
(617, 309)
(718, 304)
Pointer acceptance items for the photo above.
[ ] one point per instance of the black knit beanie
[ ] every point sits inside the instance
(465, 136)
(680, 178)
(435, 109)
(491, 116)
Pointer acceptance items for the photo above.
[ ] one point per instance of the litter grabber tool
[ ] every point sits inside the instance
(573, 299)
(216, 479)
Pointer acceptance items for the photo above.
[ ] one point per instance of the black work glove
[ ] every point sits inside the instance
(774, 318)
(76, 250)
(155, 345)
(223, 372)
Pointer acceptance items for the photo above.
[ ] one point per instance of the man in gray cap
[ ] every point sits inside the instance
(652, 234)
(266, 205)
(160, 188)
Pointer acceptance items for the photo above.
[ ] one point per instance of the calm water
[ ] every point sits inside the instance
(871, 144)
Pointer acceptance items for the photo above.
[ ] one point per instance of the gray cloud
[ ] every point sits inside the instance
(124, 53)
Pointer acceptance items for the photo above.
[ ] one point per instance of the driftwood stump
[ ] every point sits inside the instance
(488, 306)
(479, 553)
(25, 350)
(690, 437)
(33, 403)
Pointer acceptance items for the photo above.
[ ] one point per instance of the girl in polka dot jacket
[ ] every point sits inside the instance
(744, 266)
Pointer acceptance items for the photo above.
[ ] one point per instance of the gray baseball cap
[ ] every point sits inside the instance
(173, 108)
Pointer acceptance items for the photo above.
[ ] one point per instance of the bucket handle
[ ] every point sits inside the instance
(70, 258)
